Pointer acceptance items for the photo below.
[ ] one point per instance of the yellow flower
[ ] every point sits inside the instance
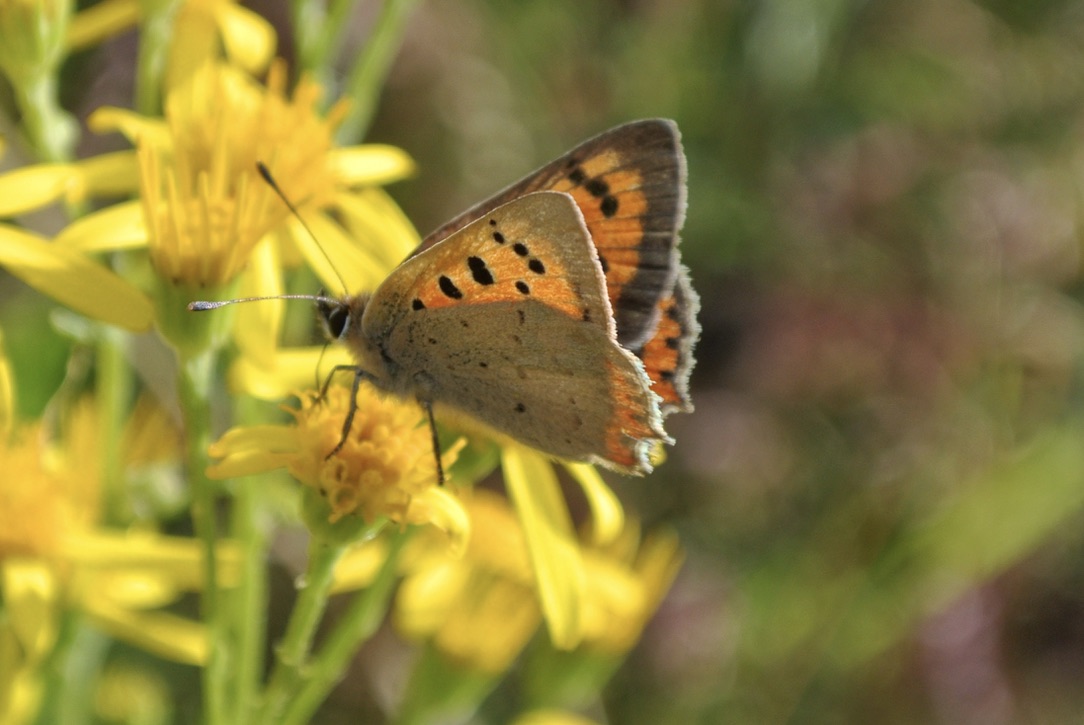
(628, 580)
(479, 609)
(555, 551)
(54, 556)
(384, 470)
(204, 204)
(200, 28)
(205, 214)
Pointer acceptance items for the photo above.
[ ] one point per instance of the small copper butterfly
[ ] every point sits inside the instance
(557, 312)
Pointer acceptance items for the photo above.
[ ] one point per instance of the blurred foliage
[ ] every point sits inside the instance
(881, 487)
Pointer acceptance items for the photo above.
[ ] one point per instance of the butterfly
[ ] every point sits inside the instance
(556, 312)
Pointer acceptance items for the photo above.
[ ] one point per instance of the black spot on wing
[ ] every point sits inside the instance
(521, 249)
(597, 187)
(447, 286)
(479, 270)
(536, 266)
(609, 206)
(523, 288)
(417, 304)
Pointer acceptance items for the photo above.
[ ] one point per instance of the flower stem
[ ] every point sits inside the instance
(156, 33)
(250, 616)
(49, 128)
(195, 398)
(114, 392)
(358, 624)
(367, 76)
(292, 653)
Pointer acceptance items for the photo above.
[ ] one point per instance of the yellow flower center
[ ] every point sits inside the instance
(204, 202)
(386, 460)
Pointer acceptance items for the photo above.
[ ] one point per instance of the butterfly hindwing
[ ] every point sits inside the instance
(668, 355)
(629, 184)
(507, 320)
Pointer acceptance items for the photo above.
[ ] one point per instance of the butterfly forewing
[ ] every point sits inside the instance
(508, 321)
(629, 184)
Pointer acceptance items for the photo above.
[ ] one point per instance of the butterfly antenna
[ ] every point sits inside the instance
(267, 177)
(205, 305)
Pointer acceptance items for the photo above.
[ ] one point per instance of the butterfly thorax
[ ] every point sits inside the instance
(342, 322)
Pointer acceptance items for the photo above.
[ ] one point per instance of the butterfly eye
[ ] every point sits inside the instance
(335, 318)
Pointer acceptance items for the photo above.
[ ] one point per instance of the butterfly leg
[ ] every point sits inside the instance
(359, 375)
(436, 441)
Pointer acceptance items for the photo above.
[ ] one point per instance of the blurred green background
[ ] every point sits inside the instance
(881, 487)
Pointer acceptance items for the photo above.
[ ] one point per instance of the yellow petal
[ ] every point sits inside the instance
(100, 21)
(553, 717)
(176, 559)
(115, 174)
(116, 227)
(171, 637)
(425, 597)
(257, 325)
(440, 508)
(288, 370)
(129, 123)
(194, 44)
(33, 187)
(249, 39)
(373, 218)
(74, 280)
(336, 258)
(359, 566)
(247, 463)
(30, 600)
(555, 555)
(276, 438)
(7, 394)
(370, 164)
(659, 562)
(607, 514)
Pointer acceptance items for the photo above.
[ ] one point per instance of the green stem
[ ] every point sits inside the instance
(49, 128)
(114, 392)
(308, 22)
(250, 613)
(367, 76)
(72, 672)
(292, 654)
(319, 30)
(155, 36)
(195, 397)
(357, 625)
